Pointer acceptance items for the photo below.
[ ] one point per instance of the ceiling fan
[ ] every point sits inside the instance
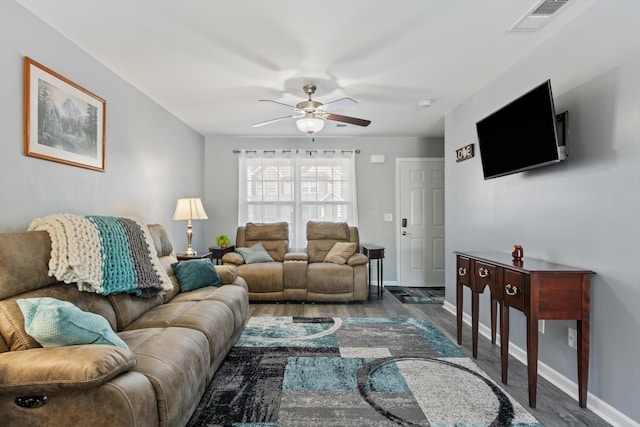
(311, 114)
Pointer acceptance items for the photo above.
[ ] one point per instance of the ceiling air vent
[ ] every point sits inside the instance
(538, 16)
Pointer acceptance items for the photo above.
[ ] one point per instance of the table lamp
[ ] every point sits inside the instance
(188, 209)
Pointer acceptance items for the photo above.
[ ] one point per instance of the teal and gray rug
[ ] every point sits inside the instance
(352, 372)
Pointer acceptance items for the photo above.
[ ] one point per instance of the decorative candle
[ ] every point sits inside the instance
(517, 252)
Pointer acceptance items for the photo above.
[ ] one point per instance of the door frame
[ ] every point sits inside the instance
(398, 228)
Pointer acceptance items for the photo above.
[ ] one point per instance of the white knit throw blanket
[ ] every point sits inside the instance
(78, 256)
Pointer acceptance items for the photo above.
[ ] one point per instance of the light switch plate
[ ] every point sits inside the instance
(388, 217)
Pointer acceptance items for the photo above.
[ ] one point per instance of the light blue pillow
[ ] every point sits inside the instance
(256, 253)
(55, 323)
(196, 273)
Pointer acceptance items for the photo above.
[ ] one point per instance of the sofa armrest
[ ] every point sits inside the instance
(296, 256)
(232, 258)
(357, 259)
(48, 370)
(228, 273)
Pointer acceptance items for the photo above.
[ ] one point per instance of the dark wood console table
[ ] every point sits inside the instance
(539, 289)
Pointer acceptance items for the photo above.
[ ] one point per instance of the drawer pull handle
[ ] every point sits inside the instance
(462, 271)
(483, 272)
(510, 289)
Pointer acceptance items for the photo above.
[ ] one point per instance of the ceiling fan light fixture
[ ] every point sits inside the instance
(310, 124)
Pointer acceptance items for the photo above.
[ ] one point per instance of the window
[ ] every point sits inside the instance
(297, 187)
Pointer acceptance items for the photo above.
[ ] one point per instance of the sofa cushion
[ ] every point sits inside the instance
(55, 323)
(51, 370)
(320, 230)
(196, 273)
(24, 262)
(321, 236)
(176, 361)
(130, 307)
(264, 276)
(234, 296)
(212, 318)
(273, 236)
(272, 231)
(329, 278)
(340, 252)
(254, 254)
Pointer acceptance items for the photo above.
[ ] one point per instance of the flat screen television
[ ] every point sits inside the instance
(522, 135)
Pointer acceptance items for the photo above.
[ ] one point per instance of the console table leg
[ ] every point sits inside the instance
(583, 361)
(532, 358)
(504, 341)
(582, 327)
(475, 302)
(494, 309)
(459, 311)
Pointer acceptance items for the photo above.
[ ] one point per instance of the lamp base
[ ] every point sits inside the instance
(189, 252)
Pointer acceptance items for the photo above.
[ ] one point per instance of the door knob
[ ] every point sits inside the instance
(404, 233)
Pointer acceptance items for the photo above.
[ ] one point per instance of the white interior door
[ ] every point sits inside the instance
(420, 190)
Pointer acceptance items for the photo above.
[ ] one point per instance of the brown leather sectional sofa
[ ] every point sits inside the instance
(301, 276)
(175, 344)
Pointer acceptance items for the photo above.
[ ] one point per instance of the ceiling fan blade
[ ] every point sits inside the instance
(279, 104)
(347, 119)
(268, 122)
(339, 103)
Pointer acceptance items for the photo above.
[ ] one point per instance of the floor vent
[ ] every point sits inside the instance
(538, 16)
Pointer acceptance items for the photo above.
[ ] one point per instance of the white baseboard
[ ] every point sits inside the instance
(594, 403)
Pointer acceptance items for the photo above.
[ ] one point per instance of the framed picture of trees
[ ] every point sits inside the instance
(63, 122)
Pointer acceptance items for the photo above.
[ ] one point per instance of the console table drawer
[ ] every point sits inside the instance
(463, 272)
(485, 275)
(514, 291)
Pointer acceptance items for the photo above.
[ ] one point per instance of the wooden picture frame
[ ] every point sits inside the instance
(63, 122)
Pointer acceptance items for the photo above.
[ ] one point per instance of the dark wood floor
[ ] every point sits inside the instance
(554, 408)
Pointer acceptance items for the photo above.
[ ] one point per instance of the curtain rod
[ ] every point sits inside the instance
(357, 151)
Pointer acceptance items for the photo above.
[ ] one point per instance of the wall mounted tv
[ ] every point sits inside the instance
(522, 135)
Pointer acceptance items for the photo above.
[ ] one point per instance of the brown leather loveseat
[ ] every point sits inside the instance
(302, 276)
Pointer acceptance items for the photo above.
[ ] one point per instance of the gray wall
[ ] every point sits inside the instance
(152, 158)
(376, 181)
(583, 212)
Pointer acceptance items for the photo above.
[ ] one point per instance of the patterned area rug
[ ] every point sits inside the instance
(334, 372)
(411, 295)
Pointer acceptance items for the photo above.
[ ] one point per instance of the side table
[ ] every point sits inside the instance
(217, 252)
(187, 258)
(375, 253)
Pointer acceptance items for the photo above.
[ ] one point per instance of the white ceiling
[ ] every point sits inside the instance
(208, 62)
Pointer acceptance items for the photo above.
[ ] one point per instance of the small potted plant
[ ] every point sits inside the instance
(223, 241)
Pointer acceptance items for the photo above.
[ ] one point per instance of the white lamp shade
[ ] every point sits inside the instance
(190, 208)
(310, 124)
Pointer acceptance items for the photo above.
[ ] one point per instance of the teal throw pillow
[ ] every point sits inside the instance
(196, 273)
(256, 253)
(55, 323)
